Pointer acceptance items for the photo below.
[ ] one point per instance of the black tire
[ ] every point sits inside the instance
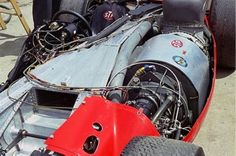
(157, 146)
(6, 17)
(222, 19)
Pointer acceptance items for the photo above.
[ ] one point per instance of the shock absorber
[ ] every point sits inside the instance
(169, 100)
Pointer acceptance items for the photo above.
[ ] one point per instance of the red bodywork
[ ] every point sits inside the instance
(120, 123)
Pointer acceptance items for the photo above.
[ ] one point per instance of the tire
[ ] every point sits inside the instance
(6, 17)
(157, 146)
(222, 20)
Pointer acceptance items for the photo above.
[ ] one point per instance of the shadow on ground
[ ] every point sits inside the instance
(7, 36)
(224, 72)
(12, 47)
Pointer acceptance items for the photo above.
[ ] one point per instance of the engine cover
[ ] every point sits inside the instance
(100, 127)
(186, 59)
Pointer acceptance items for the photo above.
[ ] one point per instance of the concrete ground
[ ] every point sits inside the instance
(218, 133)
(12, 38)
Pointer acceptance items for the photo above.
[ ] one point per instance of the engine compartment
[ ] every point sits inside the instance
(162, 71)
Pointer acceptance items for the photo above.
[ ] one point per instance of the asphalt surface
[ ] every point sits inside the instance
(218, 133)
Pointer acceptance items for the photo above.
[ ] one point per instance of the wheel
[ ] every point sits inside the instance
(6, 17)
(157, 146)
(222, 20)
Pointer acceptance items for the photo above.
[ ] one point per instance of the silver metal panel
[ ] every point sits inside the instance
(27, 145)
(160, 48)
(17, 90)
(41, 122)
(85, 68)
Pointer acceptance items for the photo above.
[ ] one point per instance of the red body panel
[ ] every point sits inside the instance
(120, 123)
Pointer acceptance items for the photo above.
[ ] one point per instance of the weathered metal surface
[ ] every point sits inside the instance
(88, 67)
(182, 54)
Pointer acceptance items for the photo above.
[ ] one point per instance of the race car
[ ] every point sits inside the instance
(139, 83)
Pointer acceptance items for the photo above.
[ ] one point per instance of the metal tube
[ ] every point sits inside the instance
(123, 58)
(126, 50)
(36, 136)
(21, 135)
(169, 100)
